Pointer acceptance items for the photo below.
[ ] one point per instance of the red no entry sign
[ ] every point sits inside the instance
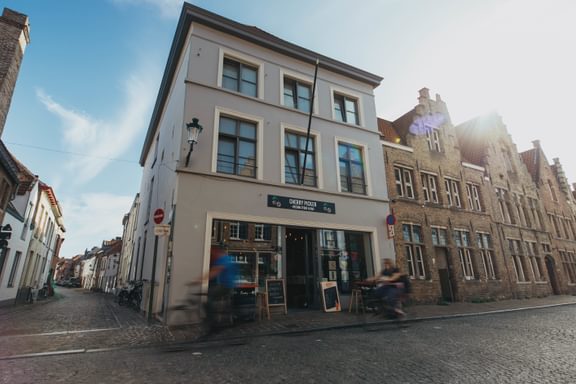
(158, 215)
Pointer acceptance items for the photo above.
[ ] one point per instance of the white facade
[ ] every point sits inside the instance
(47, 235)
(230, 197)
(127, 263)
(87, 277)
(17, 248)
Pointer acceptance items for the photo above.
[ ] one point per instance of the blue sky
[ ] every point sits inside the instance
(90, 76)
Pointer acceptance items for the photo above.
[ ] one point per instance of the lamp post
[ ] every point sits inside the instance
(194, 130)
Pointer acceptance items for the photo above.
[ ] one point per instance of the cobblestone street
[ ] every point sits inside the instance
(533, 346)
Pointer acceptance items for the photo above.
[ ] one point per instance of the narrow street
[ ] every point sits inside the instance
(529, 346)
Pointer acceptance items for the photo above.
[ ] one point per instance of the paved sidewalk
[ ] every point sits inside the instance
(77, 321)
(315, 320)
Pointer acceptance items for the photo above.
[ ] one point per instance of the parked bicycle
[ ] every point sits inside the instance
(131, 295)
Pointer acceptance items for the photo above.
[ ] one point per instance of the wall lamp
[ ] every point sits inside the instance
(194, 130)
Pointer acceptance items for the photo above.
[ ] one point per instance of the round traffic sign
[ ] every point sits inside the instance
(390, 219)
(158, 215)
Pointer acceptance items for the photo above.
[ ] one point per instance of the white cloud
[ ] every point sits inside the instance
(91, 218)
(169, 9)
(104, 139)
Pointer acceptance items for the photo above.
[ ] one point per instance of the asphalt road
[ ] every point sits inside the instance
(534, 346)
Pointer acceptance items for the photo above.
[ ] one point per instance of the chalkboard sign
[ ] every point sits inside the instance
(330, 298)
(276, 293)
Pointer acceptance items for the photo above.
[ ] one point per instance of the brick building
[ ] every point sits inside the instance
(442, 201)
(559, 249)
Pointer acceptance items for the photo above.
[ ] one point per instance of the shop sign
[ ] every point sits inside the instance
(276, 201)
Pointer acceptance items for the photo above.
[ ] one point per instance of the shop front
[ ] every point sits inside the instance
(302, 257)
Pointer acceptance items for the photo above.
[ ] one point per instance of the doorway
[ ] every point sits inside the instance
(551, 267)
(445, 274)
(300, 267)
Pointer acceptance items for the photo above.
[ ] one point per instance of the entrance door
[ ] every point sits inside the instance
(300, 275)
(444, 273)
(550, 266)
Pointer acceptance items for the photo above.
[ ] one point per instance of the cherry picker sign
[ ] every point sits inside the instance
(284, 202)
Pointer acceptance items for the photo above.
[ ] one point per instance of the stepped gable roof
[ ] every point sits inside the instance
(473, 136)
(531, 159)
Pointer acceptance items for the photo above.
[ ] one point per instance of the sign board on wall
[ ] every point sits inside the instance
(295, 203)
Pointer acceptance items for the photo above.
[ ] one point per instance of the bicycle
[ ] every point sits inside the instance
(377, 308)
(209, 312)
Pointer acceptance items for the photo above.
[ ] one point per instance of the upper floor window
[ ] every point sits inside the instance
(404, 185)
(351, 162)
(533, 204)
(294, 154)
(452, 193)
(297, 94)
(240, 77)
(518, 259)
(429, 188)
(346, 109)
(502, 196)
(552, 190)
(473, 195)
(433, 139)
(236, 147)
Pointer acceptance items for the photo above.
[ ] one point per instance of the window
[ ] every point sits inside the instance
(433, 139)
(237, 147)
(452, 193)
(404, 186)
(294, 153)
(535, 262)
(554, 223)
(487, 254)
(473, 196)
(351, 168)
(346, 109)
(569, 264)
(429, 188)
(552, 190)
(533, 204)
(240, 77)
(412, 235)
(262, 232)
(297, 94)
(502, 195)
(439, 236)
(517, 260)
(14, 267)
(462, 240)
(238, 231)
(507, 160)
(149, 204)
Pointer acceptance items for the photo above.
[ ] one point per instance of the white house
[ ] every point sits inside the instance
(286, 202)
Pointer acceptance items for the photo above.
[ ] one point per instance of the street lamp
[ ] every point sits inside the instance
(194, 130)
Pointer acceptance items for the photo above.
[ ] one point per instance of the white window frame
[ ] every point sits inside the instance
(317, 150)
(404, 184)
(218, 111)
(473, 197)
(466, 262)
(433, 139)
(347, 93)
(365, 159)
(439, 229)
(235, 55)
(302, 79)
(452, 192)
(430, 187)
